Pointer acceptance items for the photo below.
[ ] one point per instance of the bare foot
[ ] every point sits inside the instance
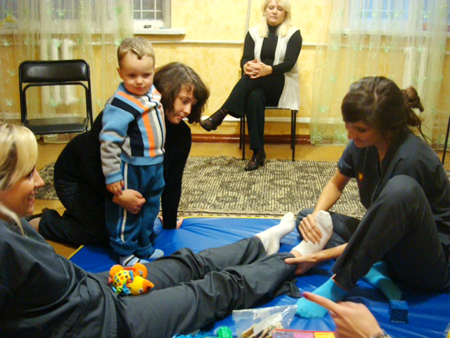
(180, 222)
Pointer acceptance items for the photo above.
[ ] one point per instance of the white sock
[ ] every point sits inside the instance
(271, 237)
(325, 224)
(130, 260)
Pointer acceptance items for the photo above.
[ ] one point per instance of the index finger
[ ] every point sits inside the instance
(322, 301)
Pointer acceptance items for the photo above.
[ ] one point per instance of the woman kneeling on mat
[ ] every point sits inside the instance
(405, 233)
(79, 180)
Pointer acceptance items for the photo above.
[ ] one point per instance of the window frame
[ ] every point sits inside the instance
(142, 26)
(386, 27)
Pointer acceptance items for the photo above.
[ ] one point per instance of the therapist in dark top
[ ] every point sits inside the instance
(79, 181)
(404, 237)
(270, 75)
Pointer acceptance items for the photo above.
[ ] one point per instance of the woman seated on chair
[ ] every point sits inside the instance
(270, 76)
(79, 180)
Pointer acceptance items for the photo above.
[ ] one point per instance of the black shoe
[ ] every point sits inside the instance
(215, 120)
(258, 158)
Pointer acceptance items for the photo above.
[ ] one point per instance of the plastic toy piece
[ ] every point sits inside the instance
(224, 332)
(398, 310)
(302, 334)
(130, 280)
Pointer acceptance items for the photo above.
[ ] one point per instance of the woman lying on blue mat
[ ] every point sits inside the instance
(43, 294)
(405, 232)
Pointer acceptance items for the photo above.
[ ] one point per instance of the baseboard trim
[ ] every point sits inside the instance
(270, 139)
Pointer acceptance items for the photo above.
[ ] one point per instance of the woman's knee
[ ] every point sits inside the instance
(257, 96)
(403, 187)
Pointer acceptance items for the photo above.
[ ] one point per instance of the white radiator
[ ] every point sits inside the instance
(55, 49)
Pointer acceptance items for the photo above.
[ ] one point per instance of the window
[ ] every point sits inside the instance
(369, 12)
(147, 14)
(54, 11)
(8, 14)
(390, 15)
(151, 14)
(68, 10)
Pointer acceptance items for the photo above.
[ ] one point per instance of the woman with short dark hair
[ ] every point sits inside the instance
(79, 180)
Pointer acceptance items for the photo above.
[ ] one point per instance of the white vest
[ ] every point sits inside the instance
(290, 97)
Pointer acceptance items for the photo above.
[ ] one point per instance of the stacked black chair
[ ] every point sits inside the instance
(55, 73)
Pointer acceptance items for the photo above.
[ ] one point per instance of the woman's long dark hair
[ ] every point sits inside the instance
(379, 102)
(171, 78)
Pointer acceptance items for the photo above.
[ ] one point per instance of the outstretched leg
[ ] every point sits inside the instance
(192, 305)
(184, 265)
(272, 237)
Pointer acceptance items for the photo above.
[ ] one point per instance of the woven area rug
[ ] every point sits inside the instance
(219, 186)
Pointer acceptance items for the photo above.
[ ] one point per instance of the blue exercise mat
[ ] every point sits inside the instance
(428, 313)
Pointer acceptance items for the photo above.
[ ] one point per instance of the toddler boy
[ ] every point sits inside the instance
(132, 151)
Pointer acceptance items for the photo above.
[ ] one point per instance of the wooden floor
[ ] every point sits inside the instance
(48, 153)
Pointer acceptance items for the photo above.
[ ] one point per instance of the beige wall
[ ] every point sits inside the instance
(215, 30)
(212, 46)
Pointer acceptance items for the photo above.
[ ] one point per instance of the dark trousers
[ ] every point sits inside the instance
(129, 233)
(194, 290)
(251, 97)
(83, 222)
(398, 228)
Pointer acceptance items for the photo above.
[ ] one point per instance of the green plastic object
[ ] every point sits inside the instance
(224, 332)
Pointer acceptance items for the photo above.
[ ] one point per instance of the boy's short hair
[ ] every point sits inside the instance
(139, 46)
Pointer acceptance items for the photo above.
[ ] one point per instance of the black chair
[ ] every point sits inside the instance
(55, 73)
(293, 130)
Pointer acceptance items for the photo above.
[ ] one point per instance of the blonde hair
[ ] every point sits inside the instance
(263, 28)
(18, 157)
(139, 46)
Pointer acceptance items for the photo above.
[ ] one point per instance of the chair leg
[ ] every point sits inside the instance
(240, 133)
(293, 132)
(242, 136)
(446, 141)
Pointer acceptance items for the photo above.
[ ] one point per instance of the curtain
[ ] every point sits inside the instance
(404, 40)
(61, 29)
